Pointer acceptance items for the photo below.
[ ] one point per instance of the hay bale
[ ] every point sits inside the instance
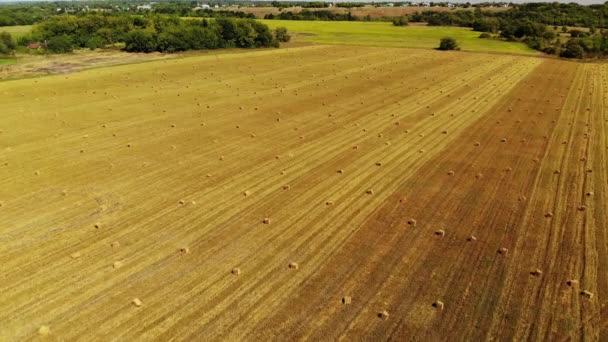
(521, 198)
(557, 172)
(369, 191)
(75, 255)
(266, 220)
(590, 193)
(236, 271)
(582, 208)
(503, 251)
(440, 232)
(508, 169)
(44, 330)
(549, 215)
(479, 176)
(137, 302)
(340, 171)
(294, 265)
(117, 264)
(347, 300)
(129, 145)
(536, 273)
(439, 305)
(450, 173)
(444, 132)
(185, 250)
(572, 282)
(472, 238)
(503, 140)
(411, 222)
(97, 225)
(115, 244)
(329, 203)
(246, 193)
(181, 202)
(477, 143)
(587, 294)
(36, 173)
(383, 315)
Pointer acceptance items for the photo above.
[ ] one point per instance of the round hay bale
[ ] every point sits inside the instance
(536, 273)
(369, 191)
(450, 173)
(236, 271)
(185, 250)
(439, 305)
(97, 225)
(503, 140)
(472, 238)
(383, 315)
(294, 265)
(503, 251)
(378, 163)
(411, 222)
(340, 171)
(590, 193)
(246, 193)
(117, 264)
(44, 330)
(587, 294)
(266, 220)
(477, 143)
(572, 282)
(440, 232)
(75, 255)
(549, 215)
(329, 203)
(137, 302)
(347, 300)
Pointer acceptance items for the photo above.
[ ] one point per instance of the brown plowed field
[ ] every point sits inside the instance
(243, 196)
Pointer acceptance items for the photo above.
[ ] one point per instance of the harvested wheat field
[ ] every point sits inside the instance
(318, 193)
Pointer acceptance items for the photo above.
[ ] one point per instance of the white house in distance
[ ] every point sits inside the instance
(202, 7)
(144, 7)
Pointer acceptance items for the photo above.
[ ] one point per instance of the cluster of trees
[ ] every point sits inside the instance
(303, 4)
(12, 15)
(7, 44)
(152, 33)
(312, 15)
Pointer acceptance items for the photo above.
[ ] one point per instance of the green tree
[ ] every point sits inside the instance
(448, 43)
(281, 34)
(140, 41)
(60, 44)
(573, 49)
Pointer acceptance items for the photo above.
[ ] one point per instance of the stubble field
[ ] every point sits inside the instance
(319, 192)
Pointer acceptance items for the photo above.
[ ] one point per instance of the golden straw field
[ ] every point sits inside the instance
(309, 193)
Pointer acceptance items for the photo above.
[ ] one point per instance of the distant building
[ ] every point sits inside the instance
(144, 7)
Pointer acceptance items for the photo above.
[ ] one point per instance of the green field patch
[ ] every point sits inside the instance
(386, 34)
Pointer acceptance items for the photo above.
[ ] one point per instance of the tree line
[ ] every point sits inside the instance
(162, 33)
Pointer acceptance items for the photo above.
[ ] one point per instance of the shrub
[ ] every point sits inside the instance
(95, 42)
(573, 49)
(140, 41)
(7, 44)
(448, 43)
(400, 21)
(60, 44)
(281, 34)
(485, 35)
